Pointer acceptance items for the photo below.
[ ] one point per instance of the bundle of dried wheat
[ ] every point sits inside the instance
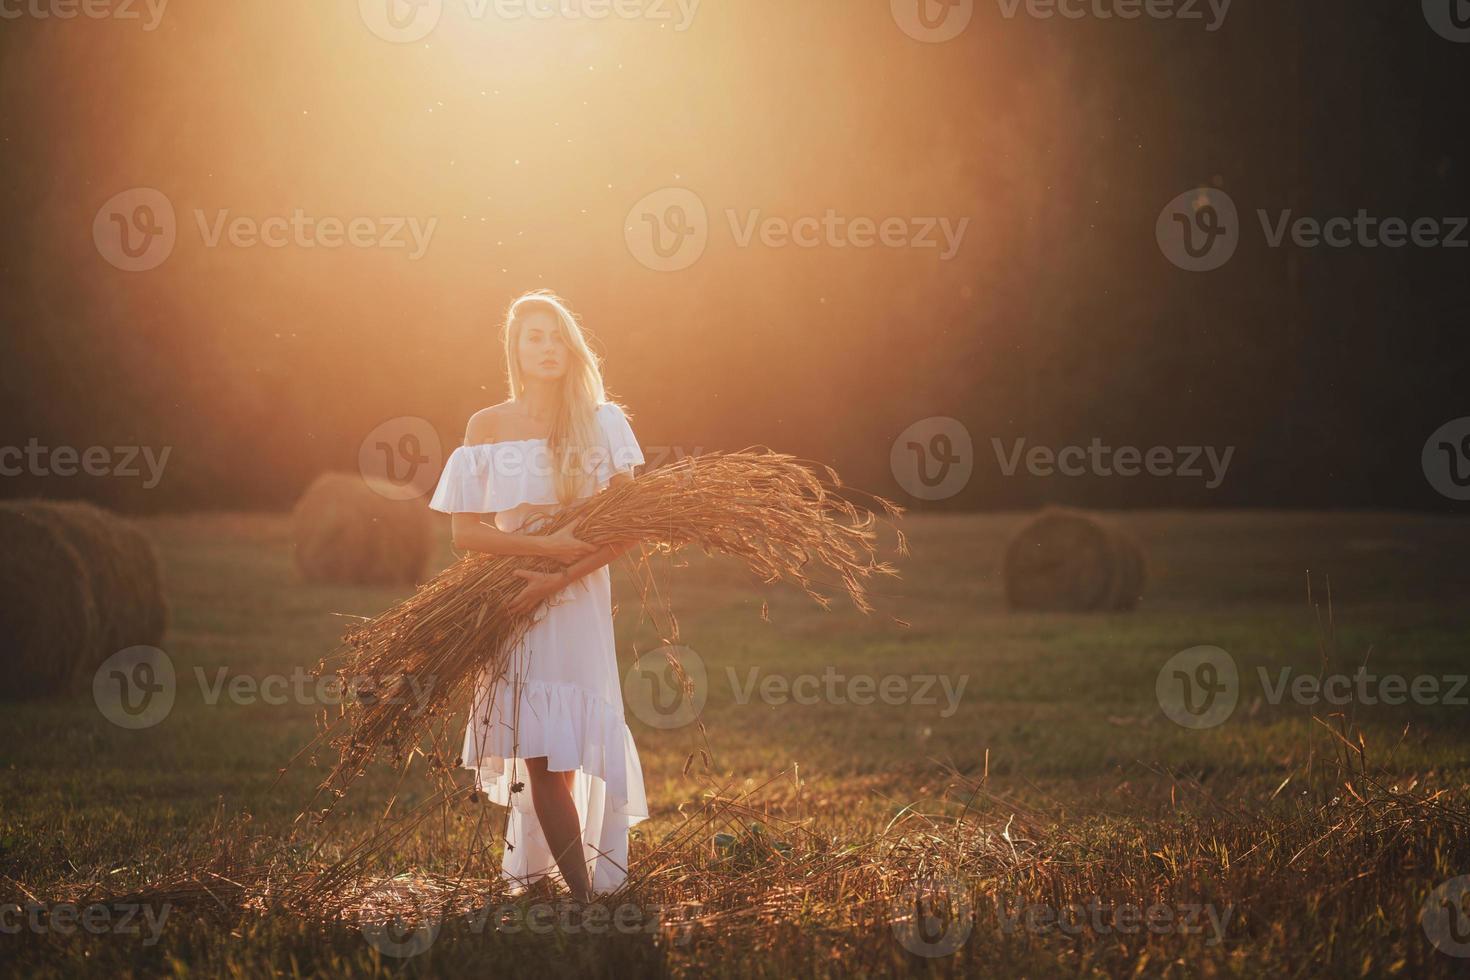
(414, 665)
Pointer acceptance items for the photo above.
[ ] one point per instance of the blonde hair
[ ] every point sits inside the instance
(574, 435)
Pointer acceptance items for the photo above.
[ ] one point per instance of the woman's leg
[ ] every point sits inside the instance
(551, 795)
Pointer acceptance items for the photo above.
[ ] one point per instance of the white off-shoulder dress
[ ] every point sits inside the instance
(562, 697)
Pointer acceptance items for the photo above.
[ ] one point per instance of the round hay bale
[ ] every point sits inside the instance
(1132, 572)
(49, 622)
(348, 532)
(81, 583)
(1064, 560)
(122, 572)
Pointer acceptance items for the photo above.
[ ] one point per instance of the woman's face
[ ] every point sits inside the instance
(542, 349)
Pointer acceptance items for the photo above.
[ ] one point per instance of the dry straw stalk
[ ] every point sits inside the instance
(771, 511)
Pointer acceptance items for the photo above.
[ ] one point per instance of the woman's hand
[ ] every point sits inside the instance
(565, 547)
(540, 586)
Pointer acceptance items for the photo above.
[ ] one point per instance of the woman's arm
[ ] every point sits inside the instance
(605, 554)
(470, 533)
(543, 585)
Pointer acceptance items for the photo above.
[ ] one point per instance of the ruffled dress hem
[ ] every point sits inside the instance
(569, 725)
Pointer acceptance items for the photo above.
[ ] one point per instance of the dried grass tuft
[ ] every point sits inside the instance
(769, 510)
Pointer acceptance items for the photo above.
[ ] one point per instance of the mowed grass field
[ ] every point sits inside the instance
(1027, 758)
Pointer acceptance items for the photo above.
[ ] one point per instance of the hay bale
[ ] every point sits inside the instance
(1132, 572)
(122, 572)
(348, 532)
(80, 583)
(1064, 560)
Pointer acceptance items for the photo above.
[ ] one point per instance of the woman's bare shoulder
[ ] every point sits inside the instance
(484, 424)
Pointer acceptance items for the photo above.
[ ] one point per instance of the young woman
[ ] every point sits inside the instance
(555, 723)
